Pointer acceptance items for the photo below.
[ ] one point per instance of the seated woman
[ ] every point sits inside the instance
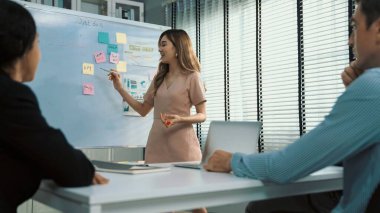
(30, 150)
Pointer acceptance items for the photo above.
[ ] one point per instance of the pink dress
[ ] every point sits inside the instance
(178, 142)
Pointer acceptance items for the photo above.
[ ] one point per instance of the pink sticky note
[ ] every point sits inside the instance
(88, 89)
(114, 58)
(100, 57)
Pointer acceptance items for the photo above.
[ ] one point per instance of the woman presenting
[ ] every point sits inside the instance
(174, 90)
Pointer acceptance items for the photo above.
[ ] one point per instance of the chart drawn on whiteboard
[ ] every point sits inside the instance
(142, 52)
(136, 85)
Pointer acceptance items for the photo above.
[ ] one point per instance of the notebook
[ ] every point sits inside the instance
(231, 136)
(103, 166)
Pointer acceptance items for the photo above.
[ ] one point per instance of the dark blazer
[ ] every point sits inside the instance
(31, 150)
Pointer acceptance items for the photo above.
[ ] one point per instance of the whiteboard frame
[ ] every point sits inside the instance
(90, 15)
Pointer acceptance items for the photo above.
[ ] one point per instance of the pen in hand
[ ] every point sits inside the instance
(109, 72)
(105, 70)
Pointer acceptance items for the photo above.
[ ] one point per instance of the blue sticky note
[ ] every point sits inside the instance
(112, 48)
(103, 37)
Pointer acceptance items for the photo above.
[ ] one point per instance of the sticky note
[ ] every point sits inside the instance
(103, 37)
(88, 89)
(100, 57)
(121, 38)
(112, 48)
(88, 69)
(121, 66)
(114, 58)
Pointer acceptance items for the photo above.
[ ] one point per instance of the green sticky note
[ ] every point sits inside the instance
(103, 37)
(112, 48)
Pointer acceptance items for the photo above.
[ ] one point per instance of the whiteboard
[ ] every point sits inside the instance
(67, 40)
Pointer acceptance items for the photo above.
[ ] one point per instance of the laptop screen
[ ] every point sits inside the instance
(232, 136)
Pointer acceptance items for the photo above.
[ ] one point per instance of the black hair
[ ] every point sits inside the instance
(17, 33)
(371, 10)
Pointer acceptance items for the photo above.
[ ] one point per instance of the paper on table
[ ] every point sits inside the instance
(103, 166)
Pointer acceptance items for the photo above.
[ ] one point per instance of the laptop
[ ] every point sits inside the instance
(231, 136)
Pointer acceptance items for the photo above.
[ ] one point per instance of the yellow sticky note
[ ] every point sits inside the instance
(121, 38)
(88, 69)
(121, 66)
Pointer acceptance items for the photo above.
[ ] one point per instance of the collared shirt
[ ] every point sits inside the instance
(349, 134)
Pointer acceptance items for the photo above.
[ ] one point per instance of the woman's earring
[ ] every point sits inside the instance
(176, 55)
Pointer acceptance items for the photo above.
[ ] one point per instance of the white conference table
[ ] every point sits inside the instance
(177, 189)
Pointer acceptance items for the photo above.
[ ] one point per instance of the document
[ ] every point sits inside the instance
(103, 166)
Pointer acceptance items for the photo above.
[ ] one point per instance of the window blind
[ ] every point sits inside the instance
(326, 55)
(212, 58)
(242, 61)
(279, 89)
(322, 54)
(168, 14)
(186, 20)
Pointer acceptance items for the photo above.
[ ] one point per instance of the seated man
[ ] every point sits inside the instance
(349, 134)
(318, 202)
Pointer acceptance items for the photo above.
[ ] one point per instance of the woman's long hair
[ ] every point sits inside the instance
(186, 57)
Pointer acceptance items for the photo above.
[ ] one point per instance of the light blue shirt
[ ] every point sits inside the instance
(349, 134)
